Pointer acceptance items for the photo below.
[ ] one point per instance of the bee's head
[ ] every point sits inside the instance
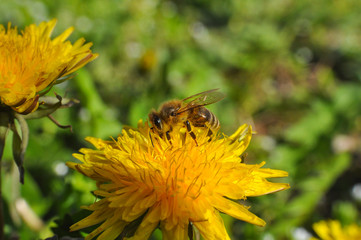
(155, 120)
(170, 109)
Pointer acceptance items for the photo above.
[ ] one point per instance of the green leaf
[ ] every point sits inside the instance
(311, 190)
(320, 120)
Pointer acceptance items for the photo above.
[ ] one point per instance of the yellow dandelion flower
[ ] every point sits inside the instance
(332, 230)
(148, 182)
(31, 62)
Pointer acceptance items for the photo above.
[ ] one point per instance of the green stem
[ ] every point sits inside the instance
(4, 128)
(1, 197)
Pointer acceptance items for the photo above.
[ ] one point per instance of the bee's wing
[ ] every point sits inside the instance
(201, 99)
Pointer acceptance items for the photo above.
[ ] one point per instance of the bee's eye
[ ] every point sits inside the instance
(157, 122)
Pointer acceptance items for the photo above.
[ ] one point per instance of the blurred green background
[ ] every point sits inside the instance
(289, 68)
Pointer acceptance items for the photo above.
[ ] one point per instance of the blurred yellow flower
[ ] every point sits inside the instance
(31, 62)
(144, 182)
(332, 230)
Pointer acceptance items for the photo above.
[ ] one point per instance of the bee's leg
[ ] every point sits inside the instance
(152, 130)
(189, 129)
(243, 157)
(209, 134)
(150, 137)
(168, 137)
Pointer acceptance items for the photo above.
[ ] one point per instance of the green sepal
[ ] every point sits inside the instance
(64, 78)
(4, 129)
(20, 144)
(45, 110)
(190, 231)
(130, 229)
(50, 105)
(59, 80)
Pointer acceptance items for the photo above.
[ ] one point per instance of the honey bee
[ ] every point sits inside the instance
(186, 113)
